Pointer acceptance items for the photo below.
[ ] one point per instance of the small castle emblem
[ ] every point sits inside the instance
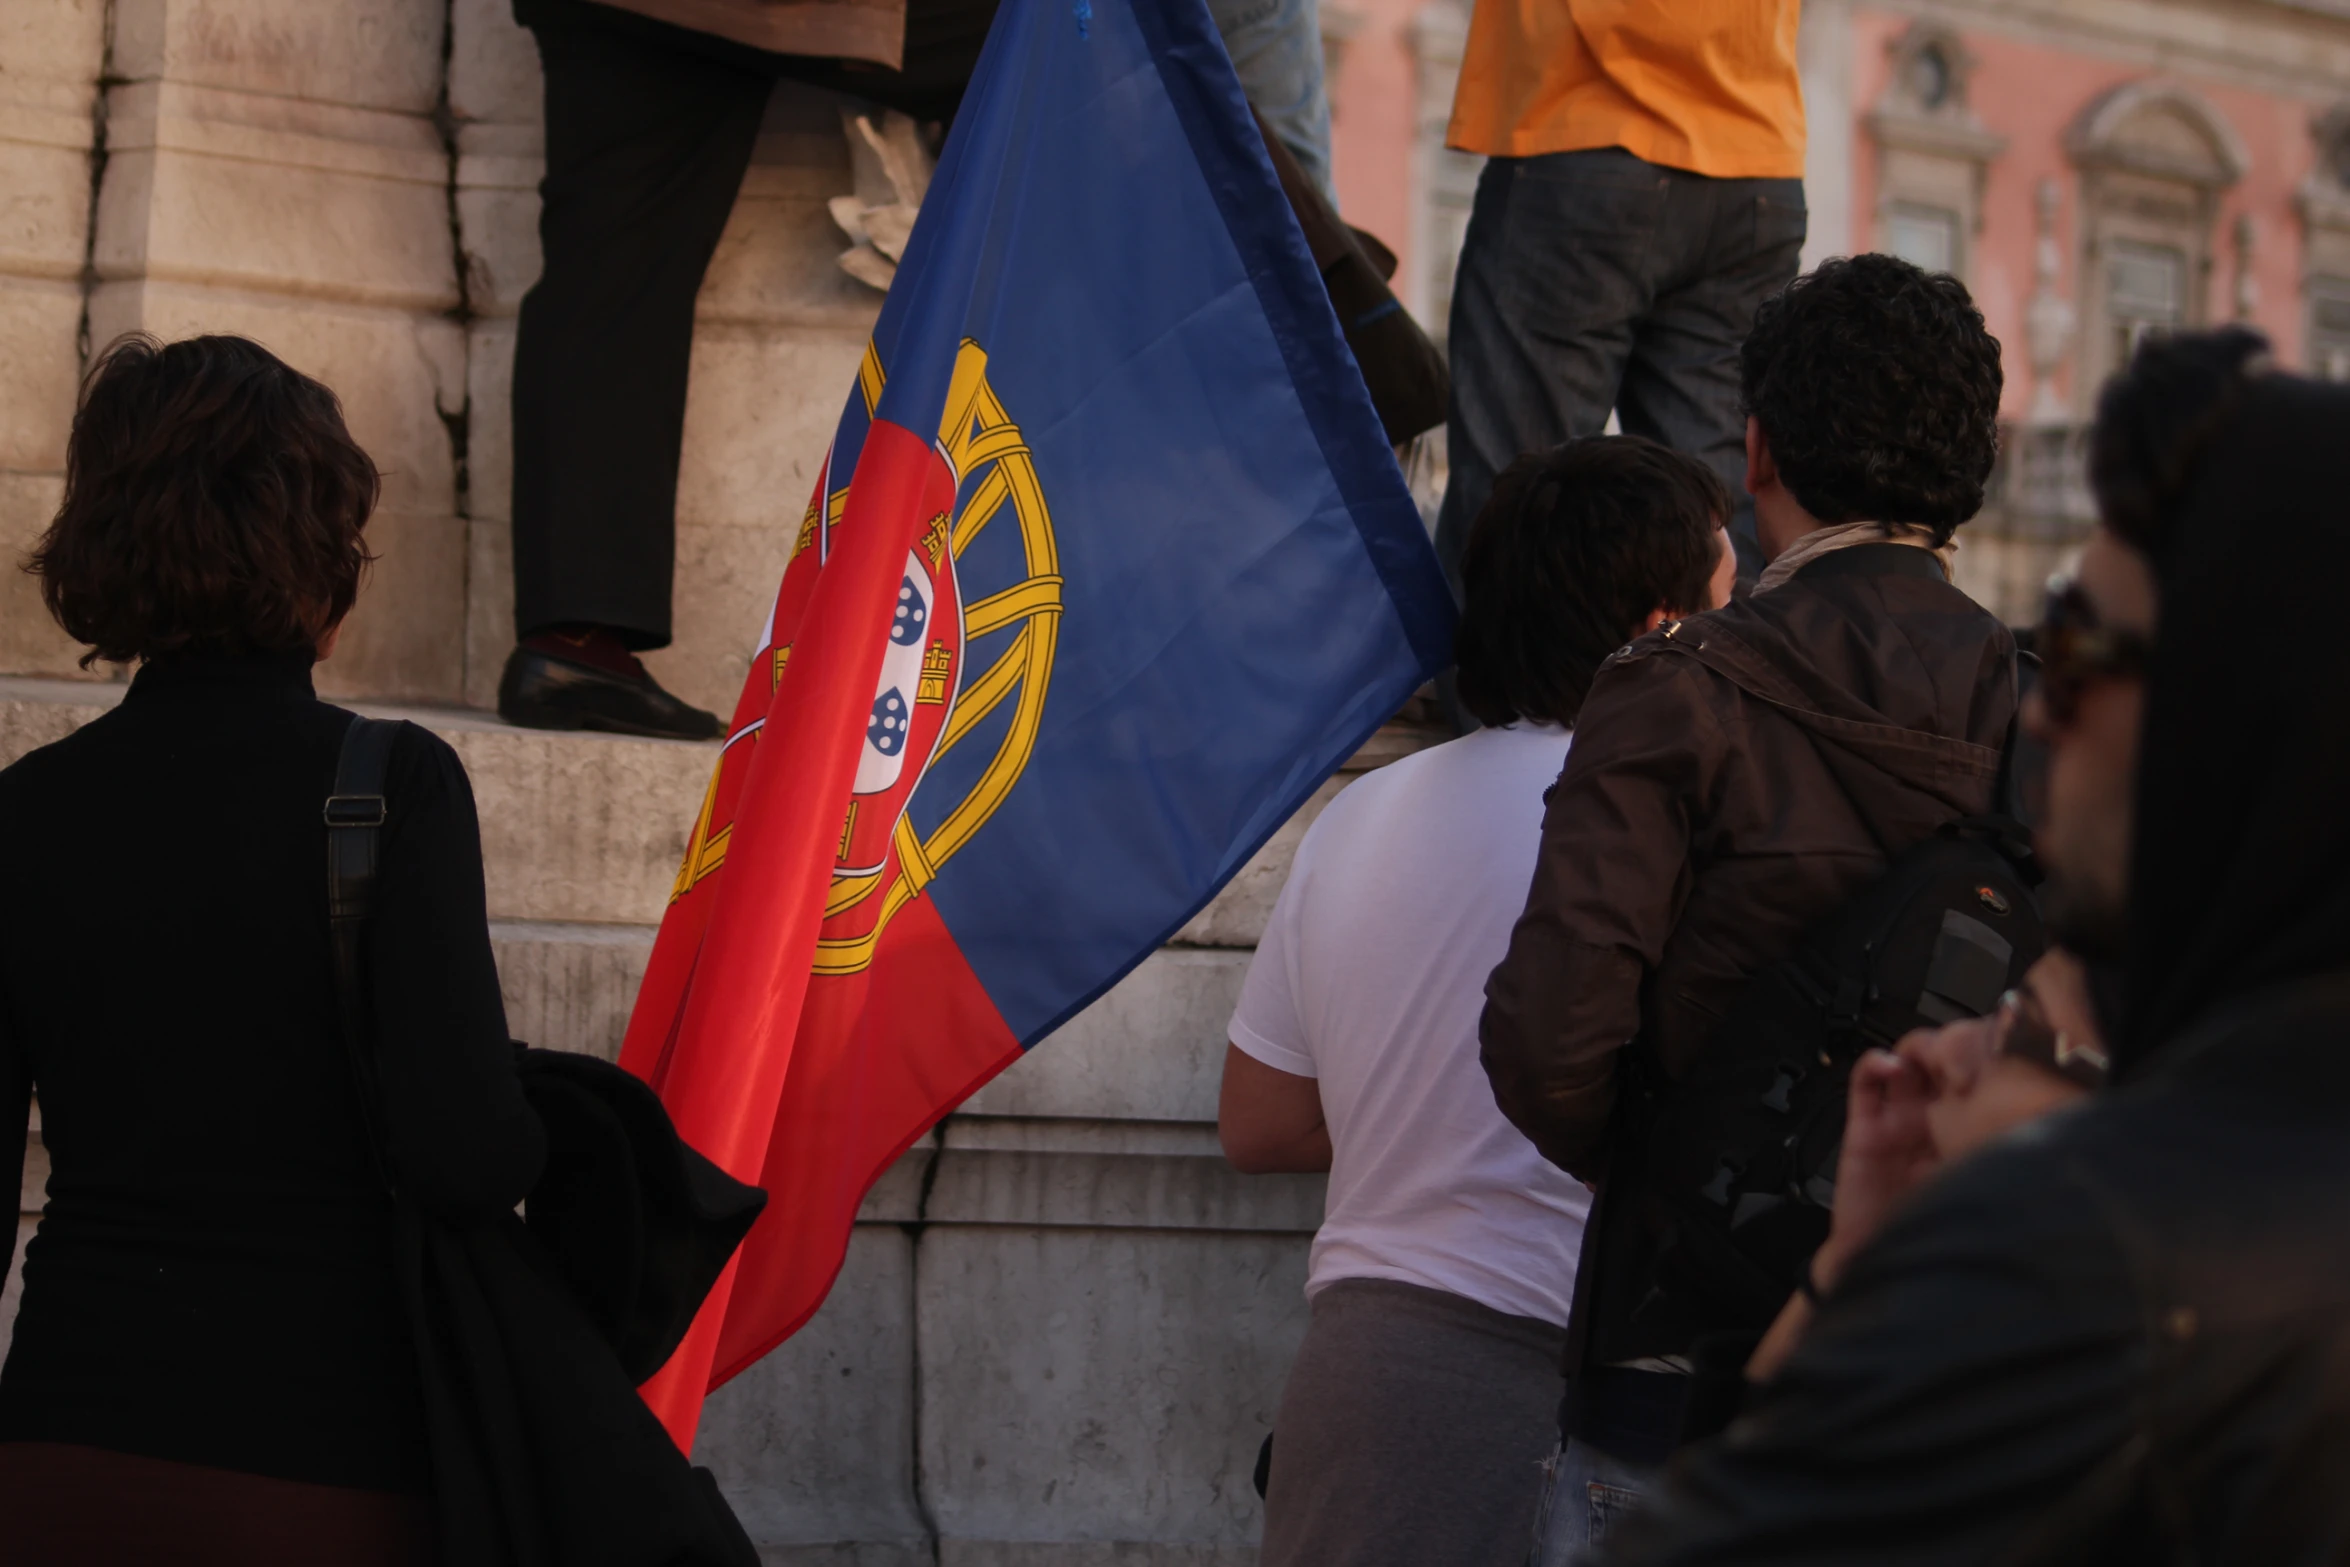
(938, 666)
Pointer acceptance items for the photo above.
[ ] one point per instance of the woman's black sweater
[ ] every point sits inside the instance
(212, 1280)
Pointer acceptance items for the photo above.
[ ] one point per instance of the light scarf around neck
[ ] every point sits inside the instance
(1844, 536)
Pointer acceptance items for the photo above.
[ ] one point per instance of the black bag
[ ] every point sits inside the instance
(531, 1335)
(1732, 1169)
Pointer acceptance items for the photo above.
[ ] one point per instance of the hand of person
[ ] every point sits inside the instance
(1938, 1095)
(1977, 1092)
(1888, 1152)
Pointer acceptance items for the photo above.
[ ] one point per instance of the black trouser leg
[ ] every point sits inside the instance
(645, 151)
(1594, 280)
(1553, 276)
(1681, 385)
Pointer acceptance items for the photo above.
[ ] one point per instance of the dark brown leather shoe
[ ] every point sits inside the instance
(543, 691)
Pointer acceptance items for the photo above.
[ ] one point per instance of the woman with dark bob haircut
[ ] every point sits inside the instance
(211, 1361)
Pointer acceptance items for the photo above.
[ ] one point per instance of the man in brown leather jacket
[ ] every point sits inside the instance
(1738, 775)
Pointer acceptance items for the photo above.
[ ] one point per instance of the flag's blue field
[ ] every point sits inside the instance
(1246, 589)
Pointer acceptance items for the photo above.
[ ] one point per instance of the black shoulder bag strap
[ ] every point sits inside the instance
(354, 841)
(2007, 790)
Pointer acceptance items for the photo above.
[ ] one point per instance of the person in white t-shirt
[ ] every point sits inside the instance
(1417, 1418)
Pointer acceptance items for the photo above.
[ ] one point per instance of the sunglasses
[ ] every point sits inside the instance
(2077, 650)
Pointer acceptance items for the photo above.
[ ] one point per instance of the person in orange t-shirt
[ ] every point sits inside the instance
(1643, 195)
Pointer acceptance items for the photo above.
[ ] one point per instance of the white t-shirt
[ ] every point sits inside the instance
(1371, 976)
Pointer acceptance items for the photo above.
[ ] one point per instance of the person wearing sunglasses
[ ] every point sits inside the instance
(2122, 1332)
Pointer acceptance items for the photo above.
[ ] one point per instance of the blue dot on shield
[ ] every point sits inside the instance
(887, 732)
(912, 616)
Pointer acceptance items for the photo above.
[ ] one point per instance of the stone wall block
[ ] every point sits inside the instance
(489, 401)
(489, 608)
(303, 199)
(776, 261)
(498, 172)
(725, 583)
(395, 373)
(1152, 1049)
(493, 63)
(760, 411)
(814, 1445)
(1127, 1403)
(56, 44)
(403, 639)
(980, 1180)
(895, 1197)
(44, 188)
(51, 55)
(37, 712)
(570, 987)
(579, 828)
(40, 322)
(30, 642)
(378, 54)
(489, 578)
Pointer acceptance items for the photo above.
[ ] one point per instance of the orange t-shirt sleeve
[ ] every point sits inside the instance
(1710, 86)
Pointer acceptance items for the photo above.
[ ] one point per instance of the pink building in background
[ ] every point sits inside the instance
(2093, 169)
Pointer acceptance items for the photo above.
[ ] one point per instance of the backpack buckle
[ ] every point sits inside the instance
(354, 810)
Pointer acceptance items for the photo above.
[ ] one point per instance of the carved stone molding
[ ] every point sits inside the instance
(1933, 154)
(2155, 159)
(2161, 130)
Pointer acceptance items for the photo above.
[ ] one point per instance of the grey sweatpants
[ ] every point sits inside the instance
(1412, 1431)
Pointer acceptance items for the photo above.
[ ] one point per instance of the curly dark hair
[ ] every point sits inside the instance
(1878, 390)
(213, 502)
(2154, 420)
(1574, 549)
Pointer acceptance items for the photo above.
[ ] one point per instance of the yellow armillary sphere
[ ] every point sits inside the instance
(884, 862)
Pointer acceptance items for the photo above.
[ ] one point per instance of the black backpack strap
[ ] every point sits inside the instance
(2006, 800)
(354, 839)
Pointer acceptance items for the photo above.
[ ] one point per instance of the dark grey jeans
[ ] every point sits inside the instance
(1595, 280)
(1412, 1432)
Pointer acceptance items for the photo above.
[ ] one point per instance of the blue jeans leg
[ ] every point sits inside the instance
(1276, 47)
(1587, 1492)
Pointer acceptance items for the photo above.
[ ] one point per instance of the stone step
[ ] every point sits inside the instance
(570, 986)
(1151, 1049)
(587, 829)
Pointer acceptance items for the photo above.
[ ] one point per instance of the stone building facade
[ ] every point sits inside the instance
(2093, 169)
